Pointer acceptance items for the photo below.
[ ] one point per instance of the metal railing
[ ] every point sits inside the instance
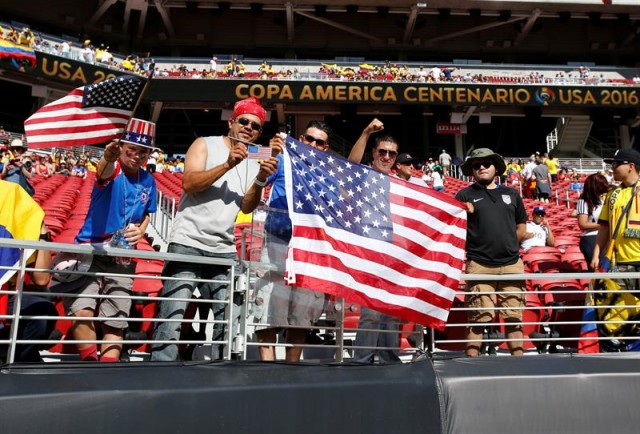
(333, 336)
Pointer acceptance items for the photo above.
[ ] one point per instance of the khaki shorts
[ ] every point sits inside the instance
(281, 305)
(484, 305)
(111, 285)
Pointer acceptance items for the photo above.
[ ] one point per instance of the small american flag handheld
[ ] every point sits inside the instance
(257, 152)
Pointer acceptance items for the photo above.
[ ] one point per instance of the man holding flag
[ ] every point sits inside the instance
(219, 180)
(287, 305)
(122, 200)
(379, 241)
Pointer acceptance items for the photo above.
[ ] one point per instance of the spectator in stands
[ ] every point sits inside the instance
(213, 65)
(179, 166)
(553, 165)
(152, 161)
(286, 305)
(514, 173)
(608, 174)
(496, 224)
(384, 154)
(16, 204)
(529, 180)
(543, 181)
(218, 182)
(41, 167)
(123, 197)
(437, 179)
(51, 167)
(405, 166)
(25, 37)
(588, 210)
(63, 169)
(538, 232)
(18, 168)
(79, 170)
(445, 162)
(65, 49)
(575, 180)
(620, 201)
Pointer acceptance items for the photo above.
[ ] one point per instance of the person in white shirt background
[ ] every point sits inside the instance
(539, 232)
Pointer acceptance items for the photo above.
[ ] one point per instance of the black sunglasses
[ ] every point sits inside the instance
(310, 139)
(478, 164)
(384, 152)
(254, 125)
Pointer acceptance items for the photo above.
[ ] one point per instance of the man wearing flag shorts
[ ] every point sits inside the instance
(286, 305)
(218, 182)
(122, 199)
(496, 224)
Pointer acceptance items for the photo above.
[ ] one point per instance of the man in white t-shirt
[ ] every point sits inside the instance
(539, 232)
(213, 64)
(445, 162)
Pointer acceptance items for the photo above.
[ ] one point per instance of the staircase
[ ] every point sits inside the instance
(573, 133)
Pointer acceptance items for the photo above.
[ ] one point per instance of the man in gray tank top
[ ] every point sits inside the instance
(218, 182)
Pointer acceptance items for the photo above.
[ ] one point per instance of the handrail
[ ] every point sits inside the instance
(239, 341)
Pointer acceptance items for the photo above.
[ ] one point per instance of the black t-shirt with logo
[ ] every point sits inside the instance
(491, 228)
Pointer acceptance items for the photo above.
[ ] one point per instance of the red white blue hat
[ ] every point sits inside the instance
(141, 133)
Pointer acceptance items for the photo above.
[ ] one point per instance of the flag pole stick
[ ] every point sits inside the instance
(135, 107)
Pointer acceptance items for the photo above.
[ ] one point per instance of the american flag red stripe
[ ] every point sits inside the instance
(431, 268)
(88, 115)
(404, 257)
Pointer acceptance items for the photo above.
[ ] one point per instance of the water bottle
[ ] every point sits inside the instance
(118, 240)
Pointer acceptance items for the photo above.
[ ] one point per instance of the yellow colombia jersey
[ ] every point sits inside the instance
(627, 247)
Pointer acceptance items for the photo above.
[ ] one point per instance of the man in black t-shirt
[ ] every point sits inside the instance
(496, 223)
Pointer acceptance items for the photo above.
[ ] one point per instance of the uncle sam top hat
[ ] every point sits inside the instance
(141, 133)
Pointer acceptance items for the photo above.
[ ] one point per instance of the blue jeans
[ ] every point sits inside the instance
(372, 319)
(33, 329)
(175, 309)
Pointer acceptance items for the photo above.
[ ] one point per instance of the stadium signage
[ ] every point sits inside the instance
(75, 73)
(449, 128)
(459, 94)
(70, 71)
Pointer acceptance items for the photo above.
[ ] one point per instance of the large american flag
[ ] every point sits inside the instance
(371, 238)
(88, 115)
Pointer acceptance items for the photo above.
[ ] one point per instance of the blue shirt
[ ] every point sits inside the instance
(110, 211)
(278, 221)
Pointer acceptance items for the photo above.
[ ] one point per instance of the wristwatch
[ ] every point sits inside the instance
(45, 237)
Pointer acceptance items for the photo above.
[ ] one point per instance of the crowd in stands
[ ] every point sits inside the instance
(84, 52)
(391, 72)
(236, 68)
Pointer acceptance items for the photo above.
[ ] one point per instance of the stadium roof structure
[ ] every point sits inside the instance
(524, 31)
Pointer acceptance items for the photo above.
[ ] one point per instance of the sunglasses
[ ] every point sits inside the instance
(254, 125)
(310, 139)
(387, 152)
(478, 164)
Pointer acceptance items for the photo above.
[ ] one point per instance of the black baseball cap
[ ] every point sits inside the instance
(405, 159)
(625, 156)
